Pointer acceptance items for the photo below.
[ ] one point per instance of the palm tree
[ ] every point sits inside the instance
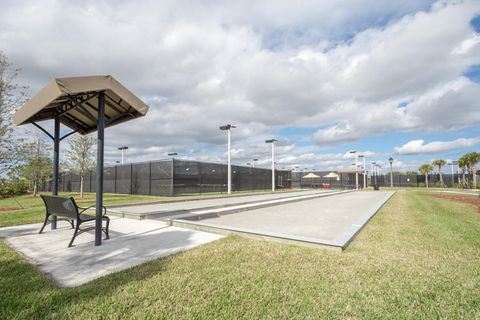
(440, 163)
(464, 164)
(473, 158)
(425, 169)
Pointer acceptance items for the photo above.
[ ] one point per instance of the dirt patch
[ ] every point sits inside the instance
(10, 209)
(465, 199)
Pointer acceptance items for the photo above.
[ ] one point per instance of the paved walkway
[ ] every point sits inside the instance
(331, 221)
(171, 208)
(131, 242)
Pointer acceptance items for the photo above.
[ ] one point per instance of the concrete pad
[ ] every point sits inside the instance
(201, 214)
(142, 211)
(131, 242)
(330, 221)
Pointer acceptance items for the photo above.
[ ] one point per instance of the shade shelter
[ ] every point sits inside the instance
(331, 175)
(83, 104)
(311, 175)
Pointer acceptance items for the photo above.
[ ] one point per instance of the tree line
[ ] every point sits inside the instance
(25, 162)
(467, 163)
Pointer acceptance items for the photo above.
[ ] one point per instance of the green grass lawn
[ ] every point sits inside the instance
(419, 257)
(35, 209)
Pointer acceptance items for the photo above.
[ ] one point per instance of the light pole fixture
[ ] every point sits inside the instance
(253, 162)
(391, 171)
(272, 141)
(364, 171)
(122, 149)
(356, 166)
(228, 128)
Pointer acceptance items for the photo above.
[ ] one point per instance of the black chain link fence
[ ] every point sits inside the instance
(174, 177)
(344, 180)
(178, 177)
(347, 181)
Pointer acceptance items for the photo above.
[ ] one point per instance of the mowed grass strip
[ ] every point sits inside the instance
(34, 209)
(417, 258)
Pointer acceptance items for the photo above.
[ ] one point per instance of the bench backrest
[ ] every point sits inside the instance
(61, 206)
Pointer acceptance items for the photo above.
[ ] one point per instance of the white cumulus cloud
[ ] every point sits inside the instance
(419, 146)
(339, 68)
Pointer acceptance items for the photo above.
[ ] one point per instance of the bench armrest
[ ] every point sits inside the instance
(104, 209)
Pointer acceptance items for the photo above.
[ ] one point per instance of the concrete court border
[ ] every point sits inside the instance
(250, 204)
(199, 214)
(338, 244)
(196, 198)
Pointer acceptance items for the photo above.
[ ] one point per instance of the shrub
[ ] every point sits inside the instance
(13, 187)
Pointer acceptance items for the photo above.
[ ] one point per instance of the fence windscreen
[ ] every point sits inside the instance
(203, 177)
(177, 177)
(343, 181)
(174, 177)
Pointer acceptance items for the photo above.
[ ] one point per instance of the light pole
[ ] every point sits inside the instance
(356, 165)
(272, 141)
(378, 172)
(228, 128)
(253, 172)
(364, 171)
(172, 172)
(371, 173)
(453, 175)
(391, 171)
(374, 173)
(122, 149)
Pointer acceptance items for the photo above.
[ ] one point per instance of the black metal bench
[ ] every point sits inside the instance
(67, 209)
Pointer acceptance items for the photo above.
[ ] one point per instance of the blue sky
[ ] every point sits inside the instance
(390, 78)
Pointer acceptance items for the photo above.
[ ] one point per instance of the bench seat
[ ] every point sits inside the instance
(67, 209)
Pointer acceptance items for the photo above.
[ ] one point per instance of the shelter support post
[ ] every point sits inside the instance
(99, 189)
(56, 160)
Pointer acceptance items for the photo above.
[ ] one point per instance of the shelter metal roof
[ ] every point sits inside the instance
(74, 101)
(311, 175)
(331, 175)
